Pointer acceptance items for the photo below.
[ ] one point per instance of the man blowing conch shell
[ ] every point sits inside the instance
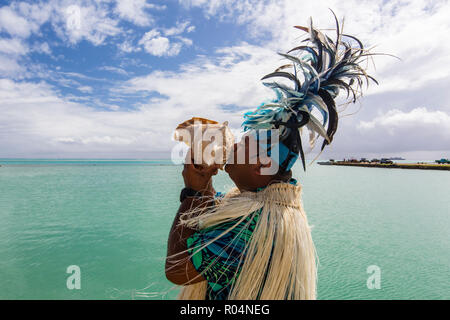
(254, 242)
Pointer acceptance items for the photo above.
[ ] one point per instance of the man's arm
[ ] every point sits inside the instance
(179, 268)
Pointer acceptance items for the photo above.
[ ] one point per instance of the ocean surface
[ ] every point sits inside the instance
(112, 219)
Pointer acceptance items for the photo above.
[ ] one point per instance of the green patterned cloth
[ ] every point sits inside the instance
(220, 261)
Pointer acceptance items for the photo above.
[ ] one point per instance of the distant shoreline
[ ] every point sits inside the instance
(421, 166)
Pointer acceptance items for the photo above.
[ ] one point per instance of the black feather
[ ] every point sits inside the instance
(338, 36)
(287, 75)
(333, 116)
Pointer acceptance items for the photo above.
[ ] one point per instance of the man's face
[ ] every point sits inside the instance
(244, 166)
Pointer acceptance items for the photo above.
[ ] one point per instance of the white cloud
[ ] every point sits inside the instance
(13, 46)
(136, 11)
(79, 75)
(35, 121)
(65, 140)
(86, 89)
(127, 47)
(180, 28)
(167, 41)
(101, 104)
(158, 45)
(21, 19)
(35, 12)
(202, 87)
(91, 22)
(419, 129)
(414, 30)
(9, 67)
(114, 69)
(42, 47)
(212, 7)
(101, 140)
(412, 120)
(38, 122)
(15, 24)
(186, 41)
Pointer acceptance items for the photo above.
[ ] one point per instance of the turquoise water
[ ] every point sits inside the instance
(112, 218)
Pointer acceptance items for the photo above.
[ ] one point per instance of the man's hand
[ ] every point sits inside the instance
(179, 268)
(199, 177)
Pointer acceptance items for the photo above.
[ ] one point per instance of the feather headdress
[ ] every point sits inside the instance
(321, 68)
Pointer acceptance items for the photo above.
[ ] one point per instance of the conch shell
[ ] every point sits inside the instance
(210, 141)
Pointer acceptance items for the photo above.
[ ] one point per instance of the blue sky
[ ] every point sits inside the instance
(88, 67)
(112, 79)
